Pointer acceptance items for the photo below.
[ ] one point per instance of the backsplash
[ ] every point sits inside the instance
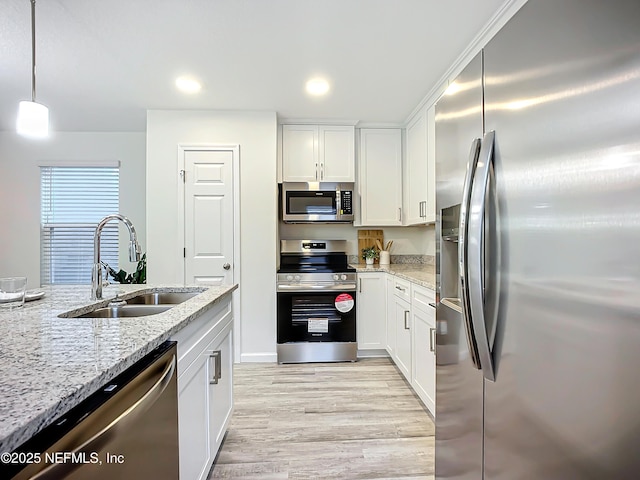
(406, 259)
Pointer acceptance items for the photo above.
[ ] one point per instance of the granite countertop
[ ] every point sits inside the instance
(50, 364)
(420, 273)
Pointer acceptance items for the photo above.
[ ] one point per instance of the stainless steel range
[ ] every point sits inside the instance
(316, 292)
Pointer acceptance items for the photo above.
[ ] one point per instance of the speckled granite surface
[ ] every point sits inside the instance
(49, 364)
(422, 274)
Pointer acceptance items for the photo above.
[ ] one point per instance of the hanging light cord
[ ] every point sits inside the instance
(33, 50)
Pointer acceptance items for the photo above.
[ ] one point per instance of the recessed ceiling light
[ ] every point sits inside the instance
(317, 86)
(188, 85)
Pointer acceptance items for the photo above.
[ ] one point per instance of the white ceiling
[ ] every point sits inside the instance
(102, 63)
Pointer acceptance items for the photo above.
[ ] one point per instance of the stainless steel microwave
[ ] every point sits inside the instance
(322, 202)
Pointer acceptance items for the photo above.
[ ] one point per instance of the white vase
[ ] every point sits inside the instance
(385, 257)
(369, 261)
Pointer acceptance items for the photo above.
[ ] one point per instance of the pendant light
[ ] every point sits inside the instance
(33, 118)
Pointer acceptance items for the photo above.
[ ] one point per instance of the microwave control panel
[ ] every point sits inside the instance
(345, 202)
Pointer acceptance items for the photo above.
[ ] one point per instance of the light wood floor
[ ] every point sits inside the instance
(326, 421)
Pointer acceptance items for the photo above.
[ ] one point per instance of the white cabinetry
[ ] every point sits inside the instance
(318, 153)
(205, 388)
(380, 176)
(423, 379)
(371, 312)
(419, 191)
(390, 315)
(402, 315)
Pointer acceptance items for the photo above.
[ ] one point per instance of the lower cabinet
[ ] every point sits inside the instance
(410, 338)
(403, 336)
(371, 311)
(423, 321)
(205, 390)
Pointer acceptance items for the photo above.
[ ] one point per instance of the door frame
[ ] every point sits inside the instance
(235, 150)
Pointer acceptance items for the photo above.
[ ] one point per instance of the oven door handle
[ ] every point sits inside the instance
(345, 287)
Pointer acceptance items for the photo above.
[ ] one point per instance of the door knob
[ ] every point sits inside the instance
(226, 266)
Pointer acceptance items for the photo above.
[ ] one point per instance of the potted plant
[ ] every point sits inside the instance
(369, 254)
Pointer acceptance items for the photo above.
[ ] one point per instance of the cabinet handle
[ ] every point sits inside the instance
(420, 208)
(433, 305)
(316, 171)
(217, 370)
(322, 171)
(406, 317)
(400, 214)
(400, 288)
(360, 285)
(432, 339)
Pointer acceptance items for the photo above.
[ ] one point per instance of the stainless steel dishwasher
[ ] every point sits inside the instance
(128, 429)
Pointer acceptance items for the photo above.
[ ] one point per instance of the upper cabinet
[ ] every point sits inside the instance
(318, 153)
(380, 176)
(419, 191)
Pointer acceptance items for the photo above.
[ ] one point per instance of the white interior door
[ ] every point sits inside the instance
(208, 215)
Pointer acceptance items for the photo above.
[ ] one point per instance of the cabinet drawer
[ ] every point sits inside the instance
(421, 297)
(402, 289)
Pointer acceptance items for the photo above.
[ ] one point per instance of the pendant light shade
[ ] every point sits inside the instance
(33, 118)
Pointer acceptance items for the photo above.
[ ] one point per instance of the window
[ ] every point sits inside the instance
(73, 201)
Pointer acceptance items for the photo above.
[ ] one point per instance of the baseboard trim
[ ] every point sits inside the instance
(259, 357)
(374, 353)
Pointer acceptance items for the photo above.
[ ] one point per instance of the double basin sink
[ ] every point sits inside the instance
(141, 305)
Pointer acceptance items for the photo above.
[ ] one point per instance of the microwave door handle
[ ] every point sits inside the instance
(463, 252)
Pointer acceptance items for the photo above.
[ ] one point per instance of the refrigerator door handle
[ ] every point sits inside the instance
(463, 252)
(480, 294)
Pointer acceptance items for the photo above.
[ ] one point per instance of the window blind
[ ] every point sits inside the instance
(73, 201)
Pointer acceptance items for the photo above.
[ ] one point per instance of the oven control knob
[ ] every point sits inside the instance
(335, 277)
(289, 277)
(297, 278)
(343, 277)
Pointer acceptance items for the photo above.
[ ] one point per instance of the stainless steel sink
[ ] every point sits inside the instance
(125, 311)
(161, 298)
(141, 305)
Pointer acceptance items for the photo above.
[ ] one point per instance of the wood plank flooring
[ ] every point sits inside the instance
(326, 421)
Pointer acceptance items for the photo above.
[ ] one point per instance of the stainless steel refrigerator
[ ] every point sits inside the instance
(538, 250)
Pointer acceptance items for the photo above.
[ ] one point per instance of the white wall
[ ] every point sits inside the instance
(255, 132)
(406, 240)
(20, 190)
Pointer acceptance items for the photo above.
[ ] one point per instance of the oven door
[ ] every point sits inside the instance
(317, 316)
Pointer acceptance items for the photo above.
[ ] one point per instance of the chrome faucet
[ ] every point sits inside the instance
(134, 252)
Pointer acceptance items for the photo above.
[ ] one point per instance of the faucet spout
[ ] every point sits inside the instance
(134, 251)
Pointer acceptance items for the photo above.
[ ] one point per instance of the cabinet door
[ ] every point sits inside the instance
(416, 170)
(380, 176)
(424, 357)
(336, 148)
(430, 209)
(403, 336)
(391, 316)
(221, 391)
(371, 311)
(194, 419)
(300, 153)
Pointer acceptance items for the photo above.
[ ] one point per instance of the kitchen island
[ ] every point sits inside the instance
(50, 364)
